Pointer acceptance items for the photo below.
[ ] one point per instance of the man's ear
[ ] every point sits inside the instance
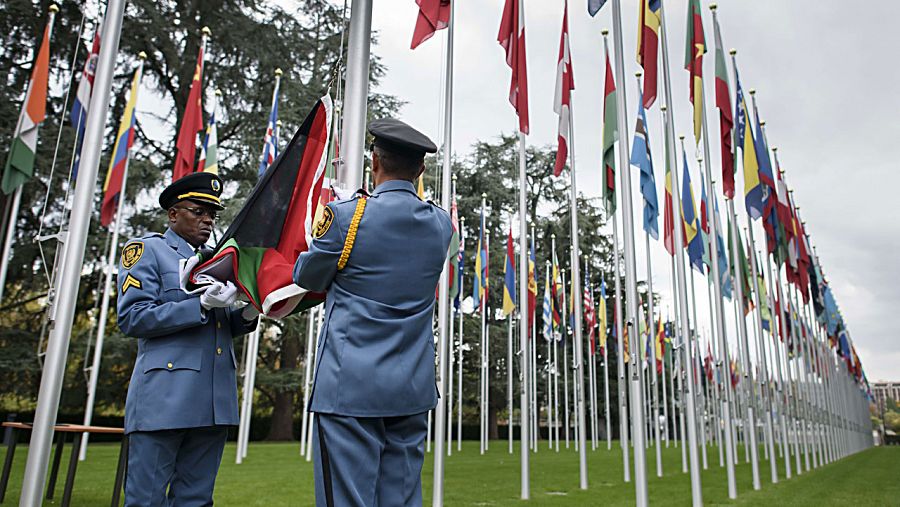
(171, 214)
(420, 171)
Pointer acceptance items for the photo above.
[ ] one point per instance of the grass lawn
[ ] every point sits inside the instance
(274, 474)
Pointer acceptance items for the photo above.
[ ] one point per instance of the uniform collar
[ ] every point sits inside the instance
(394, 185)
(178, 243)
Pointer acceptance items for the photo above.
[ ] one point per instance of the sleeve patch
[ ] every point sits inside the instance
(131, 254)
(324, 223)
(129, 282)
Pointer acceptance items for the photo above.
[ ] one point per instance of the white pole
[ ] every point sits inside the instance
(10, 238)
(307, 376)
(653, 359)
(509, 379)
(309, 427)
(484, 309)
(637, 405)
(696, 490)
(356, 94)
(564, 331)
(58, 347)
(550, 366)
(459, 376)
(104, 305)
(525, 439)
(251, 384)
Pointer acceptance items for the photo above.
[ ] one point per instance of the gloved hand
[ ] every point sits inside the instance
(249, 313)
(184, 271)
(218, 295)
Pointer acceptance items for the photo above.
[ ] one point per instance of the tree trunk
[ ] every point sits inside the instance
(283, 410)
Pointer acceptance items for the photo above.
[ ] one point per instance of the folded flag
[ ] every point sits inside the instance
(260, 260)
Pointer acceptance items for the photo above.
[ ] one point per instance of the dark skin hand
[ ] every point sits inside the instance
(379, 175)
(193, 227)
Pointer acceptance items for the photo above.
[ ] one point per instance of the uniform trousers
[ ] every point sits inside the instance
(369, 461)
(173, 468)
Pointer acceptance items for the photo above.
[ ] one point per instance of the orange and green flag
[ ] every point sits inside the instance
(20, 160)
(610, 136)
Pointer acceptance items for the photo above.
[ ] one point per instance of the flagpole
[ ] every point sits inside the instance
(509, 380)
(483, 305)
(356, 94)
(462, 241)
(320, 318)
(307, 374)
(104, 305)
(535, 410)
(555, 334)
(696, 491)
(606, 392)
(620, 344)
(578, 349)
(451, 259)
(444, 322)
(57, 350)
(551, 364)
(564, 331)
(265, 153)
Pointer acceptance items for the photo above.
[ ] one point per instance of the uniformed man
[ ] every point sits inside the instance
(183, 391)
(379, 258)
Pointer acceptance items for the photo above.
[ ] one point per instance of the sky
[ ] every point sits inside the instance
(823, 73)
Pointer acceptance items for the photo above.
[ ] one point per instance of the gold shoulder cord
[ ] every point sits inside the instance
(351, 233)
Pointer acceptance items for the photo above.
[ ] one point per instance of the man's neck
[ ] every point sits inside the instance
(386, 178)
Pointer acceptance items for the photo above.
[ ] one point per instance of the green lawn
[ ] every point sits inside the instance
(275, 475)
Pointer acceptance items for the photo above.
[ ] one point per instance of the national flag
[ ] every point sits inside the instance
(589, 317)
(191, 123)
(548, 312)
(118, 163)
(420, 187)
(704, 224)
(479, 287)
(453, 252)
(601, 311)
(512, 38)
(433, 15)
(695, 47)
(260, 260)
(557, 293)
(648, 46)
(739, 266)
(610, 136)
(509, 277)
(752, 189)
(764, 310)
(209, 152)
(726, 119)
(669, 214)
(594, 6)
(20, 161)
(640, 157)
(82, 101)
(726, 280)
(660, 344)
(532, 286)
(565, 83)
(783, 210)
(689, 217)
(461, 256)
(270, 141)
(572, 285)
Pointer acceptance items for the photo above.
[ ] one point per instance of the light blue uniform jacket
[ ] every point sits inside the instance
(376, 349)
(184, 375)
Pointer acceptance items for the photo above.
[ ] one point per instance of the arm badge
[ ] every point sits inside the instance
(132, 253)
(324, 223)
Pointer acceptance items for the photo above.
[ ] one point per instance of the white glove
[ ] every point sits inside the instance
(218, 295)
(249, 313)
(184, 271)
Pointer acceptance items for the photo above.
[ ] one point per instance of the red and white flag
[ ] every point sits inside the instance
(512, 38)
(434, 15)
(565, 83)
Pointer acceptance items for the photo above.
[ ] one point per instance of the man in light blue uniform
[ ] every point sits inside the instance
(183, 391)
(379, 258)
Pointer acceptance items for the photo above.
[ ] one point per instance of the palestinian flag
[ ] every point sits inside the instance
(259, 249)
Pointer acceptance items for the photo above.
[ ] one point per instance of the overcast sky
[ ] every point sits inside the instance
(825, 74)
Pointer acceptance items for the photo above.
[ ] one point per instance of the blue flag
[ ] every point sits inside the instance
(641, 158)
(594, 6)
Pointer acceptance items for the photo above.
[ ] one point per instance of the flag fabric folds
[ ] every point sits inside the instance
(594, 6)
(565, 83)
(610, 136)
(118, 163)
(270, 141)
(590, 319)
(752, 190)
(82, 101)
(548, 312)
(669, 214)
(191, 123)
(480, 285)
(601, 312)
(509, 277)
(695, 47)
(453, 252)
(260, 260)
(532, 286)
(512, 38)
(640, 157)
(689, 217)
(726, 119)
(648, 46)
(20, 161)
(433, 15)
(209, 151)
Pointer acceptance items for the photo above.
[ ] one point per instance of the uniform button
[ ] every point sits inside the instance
(170, 366)
(219, 325)
(218, 351)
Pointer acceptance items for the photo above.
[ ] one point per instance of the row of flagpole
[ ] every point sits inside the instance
(806, 410)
